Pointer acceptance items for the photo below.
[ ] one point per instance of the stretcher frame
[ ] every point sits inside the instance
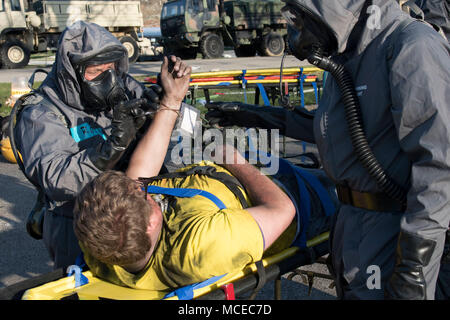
(236, 284)
(259, 79)
(274, 268)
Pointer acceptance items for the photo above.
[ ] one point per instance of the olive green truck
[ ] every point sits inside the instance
(37, 29)
(207, 26)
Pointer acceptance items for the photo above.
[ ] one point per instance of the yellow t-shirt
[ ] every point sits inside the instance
(197, 241)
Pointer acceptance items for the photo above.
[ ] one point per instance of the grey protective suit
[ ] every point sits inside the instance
(438, 13)
(56, 146)
(402, 75)
(403, 85)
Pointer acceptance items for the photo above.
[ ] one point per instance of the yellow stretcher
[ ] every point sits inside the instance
(245, 280)
(259, 72)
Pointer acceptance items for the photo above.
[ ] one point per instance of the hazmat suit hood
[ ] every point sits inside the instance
(79, 43)
(354, 23)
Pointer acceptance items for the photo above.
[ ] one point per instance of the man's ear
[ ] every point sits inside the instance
(150, 228)
(155, 215)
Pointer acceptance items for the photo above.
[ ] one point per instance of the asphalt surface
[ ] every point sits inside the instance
(22, 257)
(152, 65)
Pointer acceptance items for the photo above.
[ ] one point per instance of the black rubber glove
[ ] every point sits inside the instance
(407, 282)
(153, 94)
(128, 118)
(296, 124)
(240, 114)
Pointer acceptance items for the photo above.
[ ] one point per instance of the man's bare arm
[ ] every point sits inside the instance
(148, 157)
(272, 209)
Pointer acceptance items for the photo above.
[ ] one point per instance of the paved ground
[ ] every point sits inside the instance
(152, 66)
(22, 257)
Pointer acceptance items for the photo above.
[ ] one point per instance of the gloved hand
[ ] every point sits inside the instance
(128, 118)
(153, 94)
(227, 114)
(408, 282)
(297, 124)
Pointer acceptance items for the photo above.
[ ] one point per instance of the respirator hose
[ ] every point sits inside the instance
(355, 125)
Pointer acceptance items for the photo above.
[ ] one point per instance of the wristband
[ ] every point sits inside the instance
(165, 107)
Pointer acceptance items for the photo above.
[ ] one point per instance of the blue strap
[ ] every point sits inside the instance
(263, 95)
(244, 84)
(80, 278)
(79, 261)
(304, 151)
(187, 292)
(316, 93)
(301, 79)
(324, 78)
(186, 193)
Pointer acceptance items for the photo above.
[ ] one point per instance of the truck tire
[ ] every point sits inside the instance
(272, 44)
(14, 54)
(211, 46)
(131, 45)
(245, 51)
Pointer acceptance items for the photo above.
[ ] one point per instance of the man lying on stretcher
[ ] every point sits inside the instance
(161, 242)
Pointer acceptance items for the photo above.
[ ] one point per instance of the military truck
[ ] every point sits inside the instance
(207, 26)
(24, 32)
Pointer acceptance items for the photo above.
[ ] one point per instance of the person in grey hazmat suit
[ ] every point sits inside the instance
(81, 121)
(382, 129)
(436, 12)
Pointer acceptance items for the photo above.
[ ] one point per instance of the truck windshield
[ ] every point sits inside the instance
(172, 9)
(194, 6)
(15, 5)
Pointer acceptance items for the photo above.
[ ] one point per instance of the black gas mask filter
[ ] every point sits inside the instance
(307, 33)
(107, 89)
(104, 91)
(310, 38)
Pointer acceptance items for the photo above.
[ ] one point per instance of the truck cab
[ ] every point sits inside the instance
(16, 33)
(249, 26)
(186, 24)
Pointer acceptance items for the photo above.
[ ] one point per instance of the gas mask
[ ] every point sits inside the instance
(306, 33)
(107, 89)
(307, 37)
(104, 91)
